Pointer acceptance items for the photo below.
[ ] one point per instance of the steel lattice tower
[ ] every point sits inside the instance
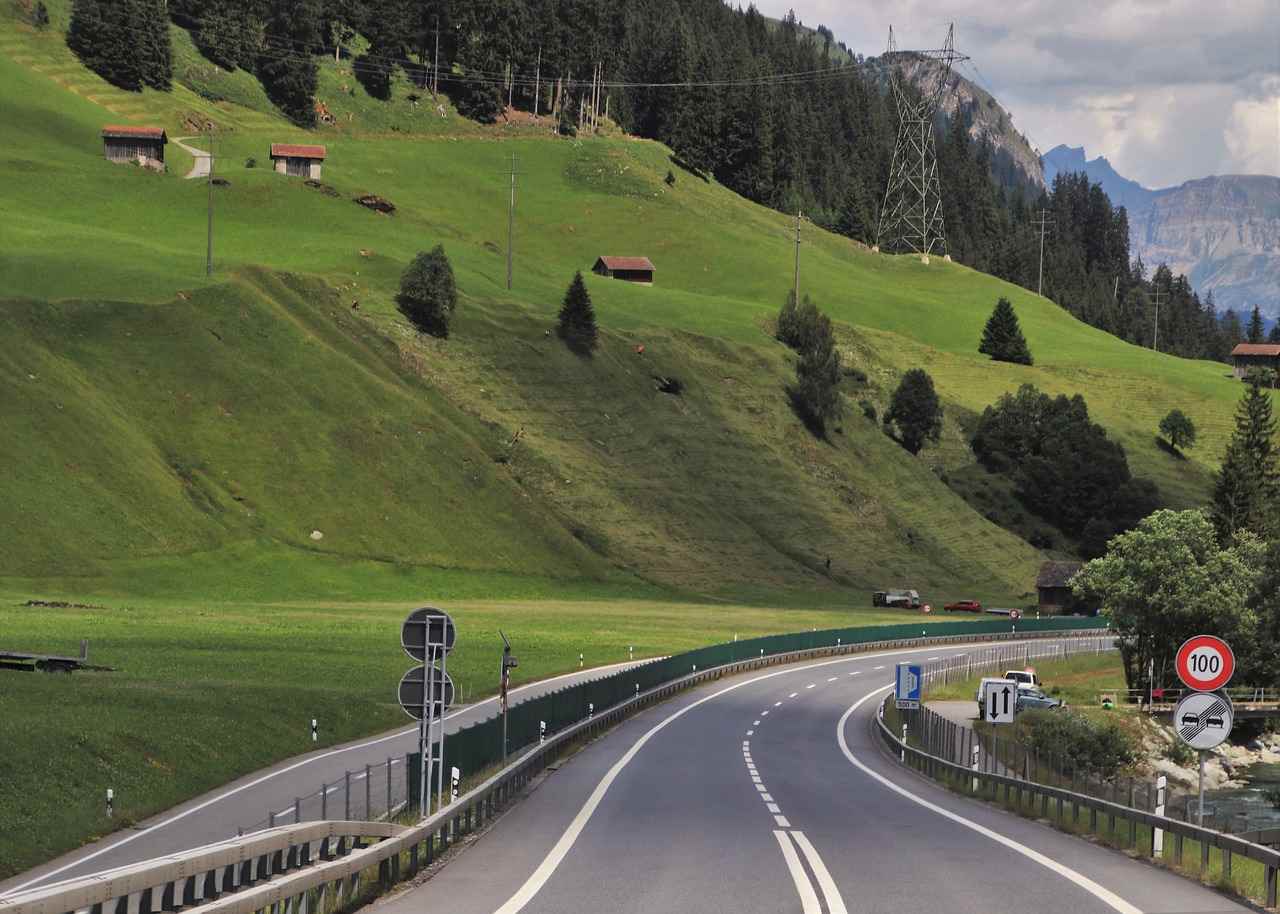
(911, 217)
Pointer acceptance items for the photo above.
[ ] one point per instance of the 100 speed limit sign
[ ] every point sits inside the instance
(1205, 663)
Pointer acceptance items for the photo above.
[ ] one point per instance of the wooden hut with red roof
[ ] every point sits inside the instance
(631, 269)
(300, 161)
(1254, 355)
(142, 145)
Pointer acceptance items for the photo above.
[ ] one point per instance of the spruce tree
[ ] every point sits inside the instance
(1255, 326)
(816, 393)
(1274, 335)
(577, 325)
(151, 25)
(1002, 338)
(288, 72)
(1244, 493)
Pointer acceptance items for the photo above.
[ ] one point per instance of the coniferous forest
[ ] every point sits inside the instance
(778, 113)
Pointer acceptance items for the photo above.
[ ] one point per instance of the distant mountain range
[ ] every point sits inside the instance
(1223, 232)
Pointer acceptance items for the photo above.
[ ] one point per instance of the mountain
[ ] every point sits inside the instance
(1121, 190)
(1014, 160)
(1223, 231)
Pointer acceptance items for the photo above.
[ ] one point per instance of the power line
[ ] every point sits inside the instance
(1155, 335)
(1044, 221)
(511, 221)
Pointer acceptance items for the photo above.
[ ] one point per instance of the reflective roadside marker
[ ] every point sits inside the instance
(579, 661)
(454, 777)
(591, 709)
(631, 652)
(542, 731)
(314, 730)
(111, 795)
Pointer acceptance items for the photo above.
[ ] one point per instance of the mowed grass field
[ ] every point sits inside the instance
(252, 476)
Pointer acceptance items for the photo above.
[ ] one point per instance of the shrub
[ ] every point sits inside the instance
(40, 16)
(577, 326)
(816, 393)
(915, 410)
(1179, 753)
(428, 293)
(868, 409)
(1101, 748)
(670, 178)
(251, 162)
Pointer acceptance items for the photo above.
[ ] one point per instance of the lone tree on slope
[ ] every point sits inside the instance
(578, 318)
(1178, 429)
(915, 410)
(1002, 338)
(428, 293)
(816, 393)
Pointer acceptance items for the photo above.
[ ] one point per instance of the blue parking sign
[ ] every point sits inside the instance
(907, 685)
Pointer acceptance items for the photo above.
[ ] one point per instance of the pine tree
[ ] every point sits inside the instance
(816, 393)
(1002, 337)
(151, 22)
(288, 72)
(1255, 326)
(1274, 335)
(577, 325)
(1244, 494)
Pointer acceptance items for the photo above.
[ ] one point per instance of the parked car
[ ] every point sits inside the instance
(1034, 699)
(964, 606)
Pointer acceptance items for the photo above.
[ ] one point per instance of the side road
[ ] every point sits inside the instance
(216, 815)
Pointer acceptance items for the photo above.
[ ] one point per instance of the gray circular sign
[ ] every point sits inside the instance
(412, 688)
(425, 627)
(1203, 719)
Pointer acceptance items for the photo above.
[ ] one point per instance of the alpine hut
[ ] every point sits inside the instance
(140, 145)
(1254, 355)
(300, 161)
(632, 269)
(1053, 586)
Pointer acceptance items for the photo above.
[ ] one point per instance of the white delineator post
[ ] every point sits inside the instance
(111, 796)
(903, 757)
(542, 732)
(1157, 838)
(314, 730)
(455, 776)
(977, 754)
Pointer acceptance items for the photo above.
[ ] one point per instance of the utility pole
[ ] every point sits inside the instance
(511, 85)
(435, 67)
(1155, 335)
(511, 219)
(799, 217)
(208, 257)
(537, 83)
(1044, 221)
(508, 664)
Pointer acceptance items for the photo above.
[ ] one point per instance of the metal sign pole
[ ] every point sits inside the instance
(444, 671)
(1200, 814)
(428, 708)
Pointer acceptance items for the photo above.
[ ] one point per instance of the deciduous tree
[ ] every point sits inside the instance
(428, 293)
(1178, 429)
(915, 411)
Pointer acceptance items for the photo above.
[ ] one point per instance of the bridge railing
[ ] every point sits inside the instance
(939, 749)
(315, 867)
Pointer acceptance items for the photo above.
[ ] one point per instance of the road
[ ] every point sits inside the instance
(769, 793)
(200, 163)
(244, 803)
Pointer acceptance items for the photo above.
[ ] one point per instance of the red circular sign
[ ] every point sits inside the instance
(1015, 615)
(1205, 663)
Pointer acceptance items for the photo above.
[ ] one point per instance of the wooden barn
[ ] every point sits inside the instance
(631, 269)
(140, 145)
(1053, 585)
(300, 161)
(1254, 355)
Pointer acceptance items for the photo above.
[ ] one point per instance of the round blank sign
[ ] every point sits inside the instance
(1203, 719)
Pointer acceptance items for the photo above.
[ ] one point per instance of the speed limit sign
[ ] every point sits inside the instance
(1205, 663)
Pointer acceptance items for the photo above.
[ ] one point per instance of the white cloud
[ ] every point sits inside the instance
(1168, 90)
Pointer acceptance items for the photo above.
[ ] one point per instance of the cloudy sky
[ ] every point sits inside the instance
(1167, 90)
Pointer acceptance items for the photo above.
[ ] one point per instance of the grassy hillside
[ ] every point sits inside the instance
(224, 467)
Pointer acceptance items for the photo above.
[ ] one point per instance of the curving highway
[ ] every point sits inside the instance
(217, 815)
(768, 792)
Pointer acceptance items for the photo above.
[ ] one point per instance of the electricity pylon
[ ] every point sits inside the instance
(911, 217)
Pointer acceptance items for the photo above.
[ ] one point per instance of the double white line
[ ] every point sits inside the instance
(808, 897)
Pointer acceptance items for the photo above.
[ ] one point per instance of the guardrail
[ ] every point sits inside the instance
(316, 866)
(936, 758)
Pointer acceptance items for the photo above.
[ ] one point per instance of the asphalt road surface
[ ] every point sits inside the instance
(769, 793)
(217, 815)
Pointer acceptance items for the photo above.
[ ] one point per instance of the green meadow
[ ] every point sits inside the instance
(249, 477)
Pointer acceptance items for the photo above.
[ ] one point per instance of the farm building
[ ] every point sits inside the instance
(141, 145)
(300, 161)
(1054, 586)
(1254, 355)
(632, 269)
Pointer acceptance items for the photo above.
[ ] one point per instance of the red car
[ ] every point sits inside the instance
(964, 606)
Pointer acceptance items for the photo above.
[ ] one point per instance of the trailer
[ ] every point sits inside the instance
(48, 663)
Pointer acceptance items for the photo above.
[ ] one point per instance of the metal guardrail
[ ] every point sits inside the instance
(987, 783)
(310, 867)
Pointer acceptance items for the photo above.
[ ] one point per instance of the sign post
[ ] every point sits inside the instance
(1204, 718)
(508, 664)
(907, 686)
(426, 691)
(999, 700)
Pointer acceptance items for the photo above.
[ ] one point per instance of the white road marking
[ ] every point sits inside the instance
(808, 897)
(793, 694)
(856, 673)
(833, 679)
(151, 829)
(830, 893)
(561, 849)
(764, 713)
(778, 704)
(880, 667)
(773, 807)
(751, 732)
(756, 779)
(761, 788)
(766, 797)
(755, 723)
(812, 685)
(932, 658)
(1102, 894)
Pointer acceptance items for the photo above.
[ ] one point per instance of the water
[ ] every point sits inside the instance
(1246, 808)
